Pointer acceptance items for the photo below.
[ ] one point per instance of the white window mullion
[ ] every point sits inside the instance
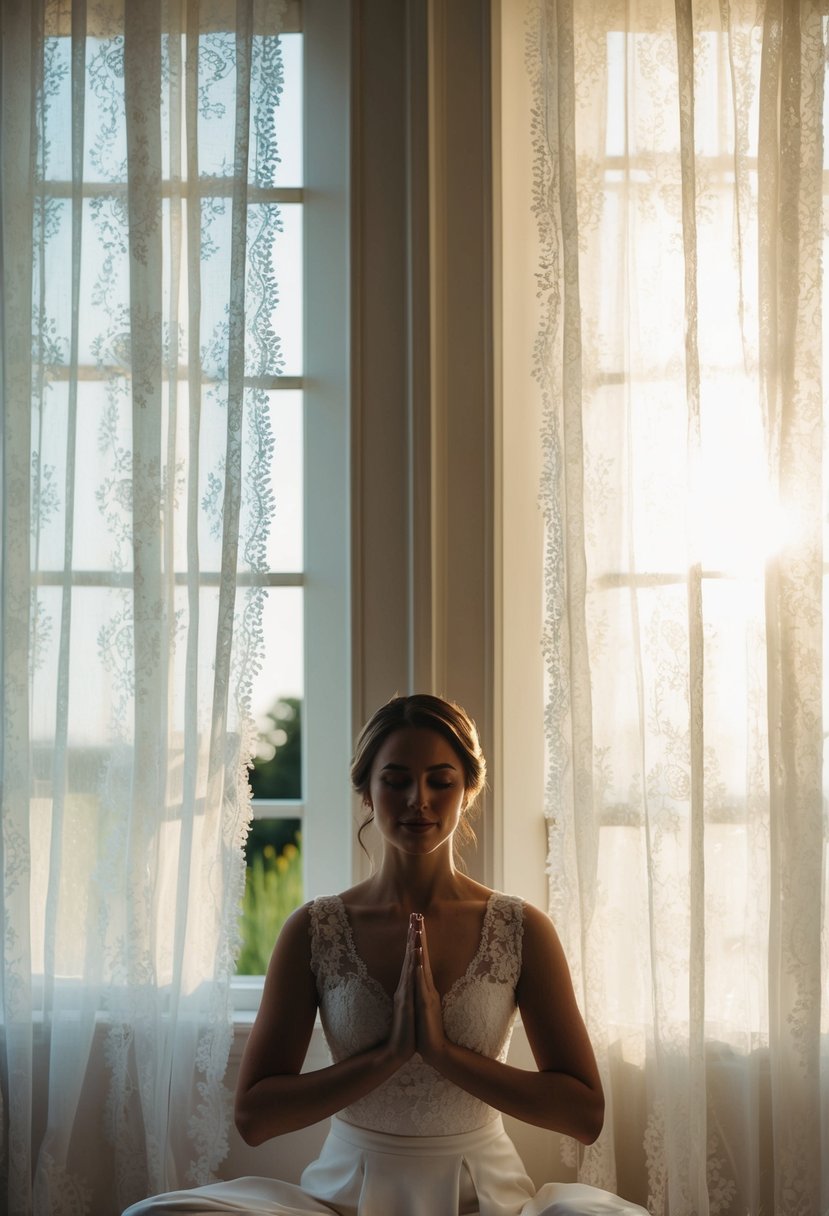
(327, 827)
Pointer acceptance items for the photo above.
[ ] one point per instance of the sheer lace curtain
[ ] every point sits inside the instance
(138, 286)
(680, 196)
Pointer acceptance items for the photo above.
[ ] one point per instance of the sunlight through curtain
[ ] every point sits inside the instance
(139, 219)
(680, 195)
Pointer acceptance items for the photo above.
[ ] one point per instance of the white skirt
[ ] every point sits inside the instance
(367, 1173)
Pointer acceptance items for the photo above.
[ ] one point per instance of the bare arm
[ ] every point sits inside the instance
(565, 1094)
(273, 1096)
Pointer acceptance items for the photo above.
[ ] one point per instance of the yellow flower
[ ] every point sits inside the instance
(282, 864)
(269, 850)
(290, 851)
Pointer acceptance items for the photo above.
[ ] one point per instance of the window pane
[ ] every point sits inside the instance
(273, 889)
(100, 672)
(277, 768)
(289, 118)
(285, 537)
(278, 690)
(286, 257)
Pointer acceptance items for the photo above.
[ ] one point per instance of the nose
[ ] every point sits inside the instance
(417, 796)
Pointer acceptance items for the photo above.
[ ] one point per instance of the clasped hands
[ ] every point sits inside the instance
(417, 1022)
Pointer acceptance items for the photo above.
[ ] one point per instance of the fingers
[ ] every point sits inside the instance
(421, 946)
(424, 950)
(416, 930)
(429, 1015)
(409, 960)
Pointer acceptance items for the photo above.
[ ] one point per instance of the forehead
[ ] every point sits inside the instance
(415, 747)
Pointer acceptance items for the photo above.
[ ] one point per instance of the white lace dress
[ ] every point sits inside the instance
(417, 1145)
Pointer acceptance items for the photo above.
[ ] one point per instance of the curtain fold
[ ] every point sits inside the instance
(139, 215)
(679, 189)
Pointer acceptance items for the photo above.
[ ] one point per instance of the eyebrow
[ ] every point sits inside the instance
(404, 768)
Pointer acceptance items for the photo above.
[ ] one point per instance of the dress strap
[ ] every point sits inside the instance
(332, 957)
(499, 958)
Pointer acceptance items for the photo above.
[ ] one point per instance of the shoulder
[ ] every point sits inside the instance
(542, 952)
(537, 924)
(534, 931)
(515, 903)
(539, 930)
(320, 908)
(534, 919)
(304, 920)
(505, 917)
(304, 927)
(294, 938)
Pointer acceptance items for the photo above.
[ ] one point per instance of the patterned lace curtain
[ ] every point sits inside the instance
(138, 287)
(680, 198)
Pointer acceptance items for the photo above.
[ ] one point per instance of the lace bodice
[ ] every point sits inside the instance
(478, 1012)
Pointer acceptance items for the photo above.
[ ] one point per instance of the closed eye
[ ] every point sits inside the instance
(400, 784)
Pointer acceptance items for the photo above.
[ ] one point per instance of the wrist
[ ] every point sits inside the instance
(391, 1056)
(437, 1053)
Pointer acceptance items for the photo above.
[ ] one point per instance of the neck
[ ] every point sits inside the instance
(416, 883)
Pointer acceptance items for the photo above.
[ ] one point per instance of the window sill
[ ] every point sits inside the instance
(245, 995)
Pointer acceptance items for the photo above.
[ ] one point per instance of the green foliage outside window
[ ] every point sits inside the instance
(277, 766)
(272, 891)
(273, 887)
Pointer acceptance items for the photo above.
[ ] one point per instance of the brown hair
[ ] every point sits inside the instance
(430, 713)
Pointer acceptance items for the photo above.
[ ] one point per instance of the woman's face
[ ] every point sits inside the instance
(416, 790)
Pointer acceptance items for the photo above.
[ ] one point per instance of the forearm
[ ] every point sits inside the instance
(285, 1102)
(555, 1100)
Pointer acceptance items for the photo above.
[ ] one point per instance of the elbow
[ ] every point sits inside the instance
(593, 1120)
(246, 1124)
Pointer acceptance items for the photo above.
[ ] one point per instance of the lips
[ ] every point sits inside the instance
(417, 825)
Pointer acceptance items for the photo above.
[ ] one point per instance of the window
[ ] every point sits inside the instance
(661, 505)
(698, 504)
(294, 450)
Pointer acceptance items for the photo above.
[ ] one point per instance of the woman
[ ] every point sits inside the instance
(417, 973)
